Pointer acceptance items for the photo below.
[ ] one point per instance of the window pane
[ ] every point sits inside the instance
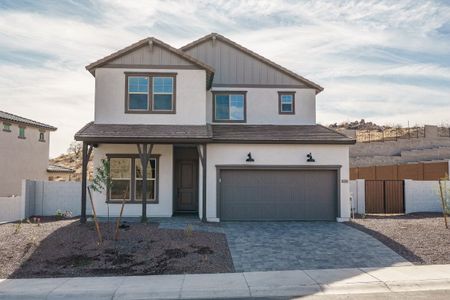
(21, 132)
(118, 188)
(162, 102)
(237, 107)
(150, 189)
(163, 85)
(138, 84)
(222, 107)
(286, 98)
(151, 169)
(138, 101)
(286, 107)
(120, 168)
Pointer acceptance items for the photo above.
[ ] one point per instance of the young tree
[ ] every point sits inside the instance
(75, 148)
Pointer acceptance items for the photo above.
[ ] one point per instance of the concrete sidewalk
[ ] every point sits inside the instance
(235, 285)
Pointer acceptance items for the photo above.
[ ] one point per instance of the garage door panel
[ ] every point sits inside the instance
(278, 194)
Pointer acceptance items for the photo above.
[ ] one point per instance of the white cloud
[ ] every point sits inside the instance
(382, 60)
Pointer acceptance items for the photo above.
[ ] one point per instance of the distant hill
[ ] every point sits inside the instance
(359, 125)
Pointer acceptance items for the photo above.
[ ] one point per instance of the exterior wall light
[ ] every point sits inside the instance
(250, 158)
(310, 158)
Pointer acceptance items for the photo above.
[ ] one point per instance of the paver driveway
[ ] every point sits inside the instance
(267, 246)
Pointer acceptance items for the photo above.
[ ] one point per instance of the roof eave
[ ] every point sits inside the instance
(97, 64)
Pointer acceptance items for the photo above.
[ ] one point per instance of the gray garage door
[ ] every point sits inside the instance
(249, 194)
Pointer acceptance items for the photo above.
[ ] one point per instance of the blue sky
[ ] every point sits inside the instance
(385, 61)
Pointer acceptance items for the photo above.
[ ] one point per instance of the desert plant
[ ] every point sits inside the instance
(102, 183)
(18, 227)
(188, 230)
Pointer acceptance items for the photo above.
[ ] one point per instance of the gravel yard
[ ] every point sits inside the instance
(66, 248)
(420, 238)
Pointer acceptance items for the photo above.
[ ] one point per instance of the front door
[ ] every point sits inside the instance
(186, 185)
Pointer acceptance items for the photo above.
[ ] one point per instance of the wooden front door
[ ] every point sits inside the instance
(186, 185)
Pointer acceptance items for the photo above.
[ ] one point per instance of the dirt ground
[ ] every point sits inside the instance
(420, 238)
(66, 248)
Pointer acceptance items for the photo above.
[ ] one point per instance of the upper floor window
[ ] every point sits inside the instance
(162, 93)
(229, 107)
(21, 132)
(150, 93)
(286, 103)
(138, 93)
(41, 136)
(7, 127)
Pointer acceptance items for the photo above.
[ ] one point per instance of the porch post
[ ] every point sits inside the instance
(202, 155)
(144, 155)
(86, 153)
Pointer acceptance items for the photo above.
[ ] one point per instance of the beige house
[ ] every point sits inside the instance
(222, 132)
(24, 151)
(59, 173)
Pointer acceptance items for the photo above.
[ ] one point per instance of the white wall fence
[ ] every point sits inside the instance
(11, 209)
(420, 196)
(42, 198)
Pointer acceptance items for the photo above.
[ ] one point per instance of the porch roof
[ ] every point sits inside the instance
(287, 134)
(268, 134)
(133, 133)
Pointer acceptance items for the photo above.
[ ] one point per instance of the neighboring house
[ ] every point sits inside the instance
(24, 149)
(59, 173)
(227, 134)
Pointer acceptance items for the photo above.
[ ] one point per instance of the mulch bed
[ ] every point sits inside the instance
(66, 248)
(420, 238)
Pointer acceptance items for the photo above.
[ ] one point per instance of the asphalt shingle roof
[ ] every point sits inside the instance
(4, 116)
(300, 134)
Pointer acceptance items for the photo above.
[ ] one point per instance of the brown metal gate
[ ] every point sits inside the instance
(385, 197)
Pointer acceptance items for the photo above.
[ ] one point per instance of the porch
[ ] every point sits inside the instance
(174, 157)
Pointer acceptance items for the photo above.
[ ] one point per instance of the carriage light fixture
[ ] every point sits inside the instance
(250, 158)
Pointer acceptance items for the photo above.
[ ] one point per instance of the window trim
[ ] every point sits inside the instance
(215, 93)
(19, 136)
(279, 103)
(132, 192)
(150, 76)
(43, 134)
(8, 125)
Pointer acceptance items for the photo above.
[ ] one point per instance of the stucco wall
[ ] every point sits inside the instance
(21, 158)
(235, 154)
(110, 98)
(423, 196)
(262, 106)
(164, 207)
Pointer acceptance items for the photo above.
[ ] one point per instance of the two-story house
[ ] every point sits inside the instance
(225, 133)
(24, 149)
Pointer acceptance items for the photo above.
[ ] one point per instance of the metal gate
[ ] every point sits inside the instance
(385, 197)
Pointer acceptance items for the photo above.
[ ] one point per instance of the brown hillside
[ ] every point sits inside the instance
(73, 161)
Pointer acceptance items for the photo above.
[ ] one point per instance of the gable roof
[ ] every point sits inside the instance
(216, 36)
(148, 41)
(5, 116)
